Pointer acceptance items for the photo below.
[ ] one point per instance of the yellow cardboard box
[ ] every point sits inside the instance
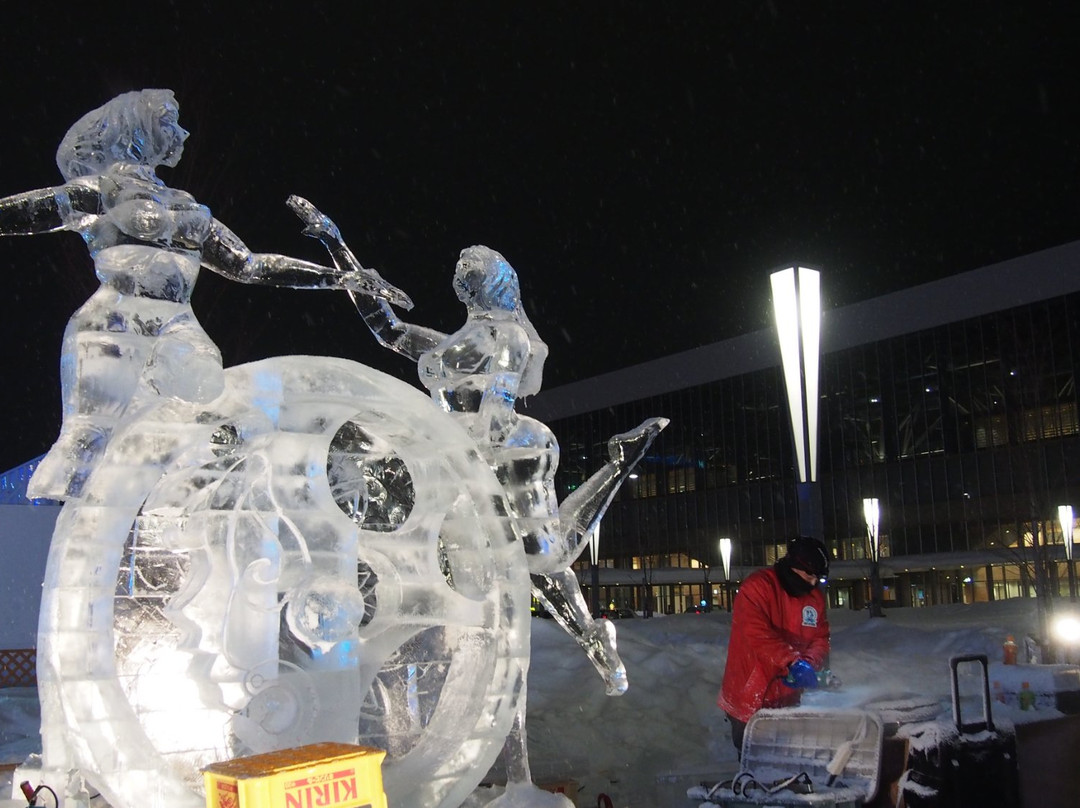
(320, 775)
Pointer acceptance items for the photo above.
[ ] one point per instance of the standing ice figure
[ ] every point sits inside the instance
(136, 339)
(476, 374)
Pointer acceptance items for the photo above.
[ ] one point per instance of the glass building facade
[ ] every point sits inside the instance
(965, 428)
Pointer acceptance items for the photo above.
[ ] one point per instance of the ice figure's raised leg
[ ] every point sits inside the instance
(553, 582)
(582, 511)
(561, 595)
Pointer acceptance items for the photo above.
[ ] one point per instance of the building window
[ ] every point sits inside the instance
(990, 431)
(681, 480)
(644, 485)
(1051, 421)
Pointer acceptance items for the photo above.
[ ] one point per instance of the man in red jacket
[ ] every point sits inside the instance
(779, 635)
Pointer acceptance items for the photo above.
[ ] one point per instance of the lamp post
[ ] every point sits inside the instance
(646, 587)
(725, 556)
(1065, 516)
(797, 311)
(872, 515)
(594, 555)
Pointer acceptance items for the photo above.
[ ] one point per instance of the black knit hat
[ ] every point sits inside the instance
(809, 555)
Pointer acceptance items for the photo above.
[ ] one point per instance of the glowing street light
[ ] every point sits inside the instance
(725, 556)
(1065, 516)
(872, 515)
(594, 555)
(797, 310)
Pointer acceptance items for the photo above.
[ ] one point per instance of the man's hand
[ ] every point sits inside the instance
(801, 675)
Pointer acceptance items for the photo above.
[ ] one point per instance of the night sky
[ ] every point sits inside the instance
(643, 165)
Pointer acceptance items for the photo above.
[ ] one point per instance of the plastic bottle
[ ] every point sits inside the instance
(1008, 650)
(999, 692)
(1026, 697)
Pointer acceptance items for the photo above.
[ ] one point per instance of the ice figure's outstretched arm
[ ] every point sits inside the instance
(47, 210)
(226, 254)
(392, 332)
(76, 205)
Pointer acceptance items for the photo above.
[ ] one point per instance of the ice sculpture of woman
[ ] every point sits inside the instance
(477, 374)
(137, 338)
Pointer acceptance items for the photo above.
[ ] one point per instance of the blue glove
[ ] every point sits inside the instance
(801, 674)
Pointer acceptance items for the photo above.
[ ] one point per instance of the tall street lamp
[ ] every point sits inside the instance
(594, 555)
(1065, 516)
(725, 556)
(872, 515)
(797, 310)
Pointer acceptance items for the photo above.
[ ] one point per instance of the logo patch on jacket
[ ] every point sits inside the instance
(809, 616)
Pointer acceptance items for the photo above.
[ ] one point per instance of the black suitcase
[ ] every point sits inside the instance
(962, 764)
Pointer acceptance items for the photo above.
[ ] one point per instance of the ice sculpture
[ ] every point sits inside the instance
(137, 339)
(317, 554)
(476, 375)
(296, 549)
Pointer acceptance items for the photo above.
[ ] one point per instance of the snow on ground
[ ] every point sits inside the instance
(639, 747)
(668, 724)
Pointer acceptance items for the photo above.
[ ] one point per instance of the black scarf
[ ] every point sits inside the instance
(790, 580)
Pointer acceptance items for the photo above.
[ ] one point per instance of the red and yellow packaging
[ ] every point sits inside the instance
(321, 775)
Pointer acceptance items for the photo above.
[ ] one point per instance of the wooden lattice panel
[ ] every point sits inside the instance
(18, 667)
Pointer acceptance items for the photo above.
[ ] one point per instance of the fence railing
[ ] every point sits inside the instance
(18, 667)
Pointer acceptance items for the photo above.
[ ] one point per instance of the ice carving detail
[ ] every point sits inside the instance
(137, 338)
(475, 375)
(295, 549)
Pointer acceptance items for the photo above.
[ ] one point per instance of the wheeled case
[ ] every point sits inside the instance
(962, 764)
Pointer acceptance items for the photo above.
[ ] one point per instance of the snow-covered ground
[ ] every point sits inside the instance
(642, 748)
(668, 724)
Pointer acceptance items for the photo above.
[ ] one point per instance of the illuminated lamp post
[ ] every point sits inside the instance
(872, 515)
(594, 556)
(797, 310)
(725, 556)
(1065, 516)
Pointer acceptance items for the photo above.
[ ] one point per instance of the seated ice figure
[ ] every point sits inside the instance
(476, 375)
(137, 338)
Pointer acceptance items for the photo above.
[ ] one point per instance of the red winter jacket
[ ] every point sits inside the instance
(770, 629)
